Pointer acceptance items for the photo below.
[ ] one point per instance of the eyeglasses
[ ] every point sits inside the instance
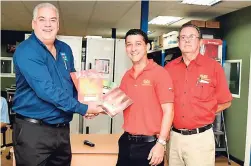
(185, 38)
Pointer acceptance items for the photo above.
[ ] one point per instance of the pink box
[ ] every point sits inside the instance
(115, 101)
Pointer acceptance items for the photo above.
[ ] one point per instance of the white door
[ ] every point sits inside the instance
(99, 50)
(248, 133)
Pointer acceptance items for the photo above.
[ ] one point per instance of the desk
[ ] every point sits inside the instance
(104, 153)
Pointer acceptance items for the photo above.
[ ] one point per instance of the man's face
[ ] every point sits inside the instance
(136, 48)
(46, 25)
(189, 41)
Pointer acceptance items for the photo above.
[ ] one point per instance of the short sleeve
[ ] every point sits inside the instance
(164, 87)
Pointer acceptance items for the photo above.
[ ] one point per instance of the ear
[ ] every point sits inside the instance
(148, 46)
(58, 25)
(201, 42)
(33, 24)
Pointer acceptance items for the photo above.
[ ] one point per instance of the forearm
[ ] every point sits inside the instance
(167, 121)
(223, 106)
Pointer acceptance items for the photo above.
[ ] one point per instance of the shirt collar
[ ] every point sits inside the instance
(151, 64)
(198, 60)
(34, 37)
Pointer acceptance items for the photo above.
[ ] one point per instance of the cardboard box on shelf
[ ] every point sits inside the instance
(170, 39)
(198, 23)
(161, 41)
(212, 24)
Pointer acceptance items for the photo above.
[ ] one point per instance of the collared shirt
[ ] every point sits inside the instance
(198, 89)
(152, 87)
(4, 111)
(44, 89)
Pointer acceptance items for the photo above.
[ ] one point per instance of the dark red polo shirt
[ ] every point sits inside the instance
(198, 89)
(149, 90)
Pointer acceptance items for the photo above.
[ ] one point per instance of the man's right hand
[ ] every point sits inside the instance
(94, 108)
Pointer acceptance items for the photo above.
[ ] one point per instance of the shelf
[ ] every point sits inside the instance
(218, 132)
(166, 48)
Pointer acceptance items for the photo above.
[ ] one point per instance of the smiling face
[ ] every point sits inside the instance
(189, 41)
(136, 48)
(46, 25)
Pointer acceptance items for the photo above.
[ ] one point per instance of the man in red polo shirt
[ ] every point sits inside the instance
(151, 115)
(201, 91)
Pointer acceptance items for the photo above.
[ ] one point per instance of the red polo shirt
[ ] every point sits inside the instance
(149, 90)
(198, 89)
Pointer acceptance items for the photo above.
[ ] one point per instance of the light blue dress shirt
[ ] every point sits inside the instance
(4, 111)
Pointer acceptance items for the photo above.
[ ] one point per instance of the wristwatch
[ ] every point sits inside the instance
(162, 142)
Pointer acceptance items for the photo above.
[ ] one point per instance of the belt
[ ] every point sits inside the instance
(192, 131)
(140, 138)
(37, 121)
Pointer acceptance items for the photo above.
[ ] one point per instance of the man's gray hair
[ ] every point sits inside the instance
(44, 5)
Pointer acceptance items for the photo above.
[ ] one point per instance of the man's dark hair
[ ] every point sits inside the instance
(191, 25)
(137, 32)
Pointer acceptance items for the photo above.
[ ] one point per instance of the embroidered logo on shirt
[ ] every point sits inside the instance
(64, 59)
(146, 82)
(63, 56)
(203, 79)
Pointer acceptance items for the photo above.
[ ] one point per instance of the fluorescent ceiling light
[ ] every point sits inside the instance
(201, 2)
(150, 32)
(164, 20)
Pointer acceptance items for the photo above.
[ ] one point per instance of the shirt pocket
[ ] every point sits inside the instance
(203, 91)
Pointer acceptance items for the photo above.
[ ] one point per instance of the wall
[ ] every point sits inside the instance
(236, 30)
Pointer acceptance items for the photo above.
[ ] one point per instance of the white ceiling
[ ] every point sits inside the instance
(81, 18)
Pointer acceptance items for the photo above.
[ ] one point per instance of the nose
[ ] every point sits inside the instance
(133, 47)
(187, 39)
(47, 23)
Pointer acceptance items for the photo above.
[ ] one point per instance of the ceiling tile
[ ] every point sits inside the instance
(234, 4)
(111, 11)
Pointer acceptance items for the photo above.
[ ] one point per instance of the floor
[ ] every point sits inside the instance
(220, 161)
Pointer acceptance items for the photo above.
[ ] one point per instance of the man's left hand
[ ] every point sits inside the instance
(90, 116)
(156, 154)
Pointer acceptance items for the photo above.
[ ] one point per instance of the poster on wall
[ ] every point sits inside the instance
(212, 48)
(102, 66)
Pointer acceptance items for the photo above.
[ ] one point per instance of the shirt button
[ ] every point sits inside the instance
(185, 92)
(135, 85)
(183, 116)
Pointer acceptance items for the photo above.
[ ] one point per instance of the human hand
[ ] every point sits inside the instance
(156, 154)
(94, 108)
(90, 116)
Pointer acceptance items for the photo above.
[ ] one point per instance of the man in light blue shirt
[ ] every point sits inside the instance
(4, 113)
